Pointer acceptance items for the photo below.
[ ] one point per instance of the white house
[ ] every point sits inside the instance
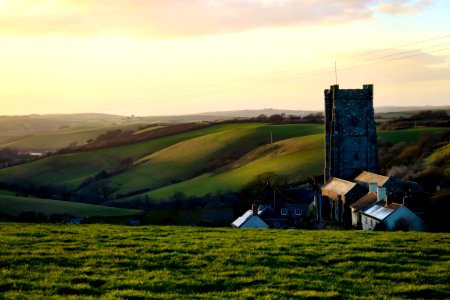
(250, 219)
(375, 195)
(393, 216)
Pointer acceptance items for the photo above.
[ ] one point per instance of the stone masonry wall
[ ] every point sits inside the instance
(350, 132)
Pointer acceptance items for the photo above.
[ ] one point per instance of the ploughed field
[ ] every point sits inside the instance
(111, 261)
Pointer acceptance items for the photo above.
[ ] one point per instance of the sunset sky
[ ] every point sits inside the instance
(164, 57)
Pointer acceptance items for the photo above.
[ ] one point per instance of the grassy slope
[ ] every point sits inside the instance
(148, 129)
(6, 193)
(57, 139)
(294, 159)
(409, 135)
(153, 262)
(18, 127)
(72, 169)
(306, 161)
(441, 156)
(192, 157)
(16, 205)
(175, 163)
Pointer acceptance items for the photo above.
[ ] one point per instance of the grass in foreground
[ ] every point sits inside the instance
(91, 261)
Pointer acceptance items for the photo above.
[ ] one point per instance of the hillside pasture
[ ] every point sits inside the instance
(17, 128)
(441, 157)
(293, 159)
(15, 206)
(409, 135)
(72, 169)
(152, 262)
(60, 138)
(203, 154)
(215, 159)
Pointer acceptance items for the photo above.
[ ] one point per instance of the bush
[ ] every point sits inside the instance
(402, 224)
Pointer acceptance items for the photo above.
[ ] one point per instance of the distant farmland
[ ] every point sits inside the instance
(110, 261)
(215, 159)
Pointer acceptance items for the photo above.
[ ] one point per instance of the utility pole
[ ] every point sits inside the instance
(335, 71)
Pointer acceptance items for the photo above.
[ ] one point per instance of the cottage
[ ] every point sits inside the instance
(375, 195)
(396, 188)
(133, 222)
(391, 217)
(75, 221)
(341, 194)
(250, 219)
(287, 208)
(272, 217)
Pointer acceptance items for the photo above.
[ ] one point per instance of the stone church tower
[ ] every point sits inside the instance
(350, 132)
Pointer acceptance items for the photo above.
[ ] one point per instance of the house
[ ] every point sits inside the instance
(287, 208)
(76, 221)
(375, 195)
(274, 218)
(391, 217)
(341, 194)
(250, 219)
(133, 222)
(396, 188)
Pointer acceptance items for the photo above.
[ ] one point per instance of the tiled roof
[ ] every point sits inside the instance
(241, 220)
(339, 186)
(368, 177)
(380, 213)
(365, 201)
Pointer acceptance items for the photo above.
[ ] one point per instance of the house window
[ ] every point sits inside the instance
(284, 211)
(276, 224)
(298, 211)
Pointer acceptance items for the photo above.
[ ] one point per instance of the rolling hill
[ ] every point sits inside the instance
(214, 159)
(160, 162)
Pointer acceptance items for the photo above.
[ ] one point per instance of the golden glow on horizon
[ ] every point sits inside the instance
(117, 70)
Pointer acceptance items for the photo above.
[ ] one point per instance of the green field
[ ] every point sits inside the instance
(72, 169)
(159, 162)
(18, 205)
(207, 154)
(60, 138)
(215, 159)
(49, 132)
(441, 157)
(117, 262)
(294, 159)
(409, 135)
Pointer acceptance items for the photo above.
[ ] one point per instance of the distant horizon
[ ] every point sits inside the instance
(394, 108)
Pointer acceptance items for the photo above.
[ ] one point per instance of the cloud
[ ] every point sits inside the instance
(184, 18)
(400, 7)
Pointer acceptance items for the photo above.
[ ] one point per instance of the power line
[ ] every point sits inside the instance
(404, 45)
(295, 75)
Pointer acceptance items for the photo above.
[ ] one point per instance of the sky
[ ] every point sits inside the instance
(171, 57)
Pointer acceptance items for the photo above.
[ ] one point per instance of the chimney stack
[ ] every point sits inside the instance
(373, 187)
(255, 209)
(381, 194)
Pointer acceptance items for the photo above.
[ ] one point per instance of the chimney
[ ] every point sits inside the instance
(255, 209)
(381, 194)
(373, 187)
